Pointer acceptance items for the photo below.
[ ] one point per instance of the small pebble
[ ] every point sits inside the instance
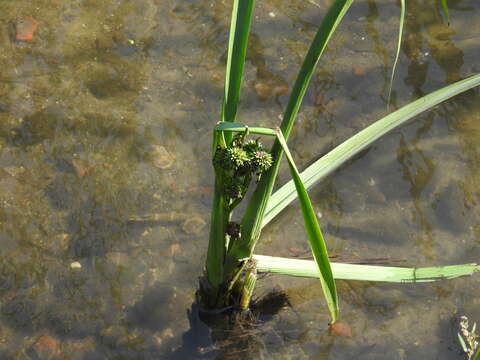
(271, 14)
(340, 329)
(25, 28)
(75, 265)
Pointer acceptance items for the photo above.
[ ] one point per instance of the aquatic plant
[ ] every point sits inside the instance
(241, 163)
(468, 338)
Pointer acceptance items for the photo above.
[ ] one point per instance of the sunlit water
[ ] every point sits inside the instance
(106, 117)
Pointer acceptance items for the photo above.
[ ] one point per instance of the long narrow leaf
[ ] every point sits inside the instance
(349, 148)
(237, 49)
(477, 353)
(308, 268)
(399, 45)
(315, 237)
(237, 127)
(445, 10)
(253, 218)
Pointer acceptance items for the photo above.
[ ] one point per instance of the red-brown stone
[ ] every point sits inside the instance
(25, 28)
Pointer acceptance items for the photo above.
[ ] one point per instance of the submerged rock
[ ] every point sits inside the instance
(341, 329)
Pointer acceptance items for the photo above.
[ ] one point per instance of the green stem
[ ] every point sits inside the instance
(217, 241)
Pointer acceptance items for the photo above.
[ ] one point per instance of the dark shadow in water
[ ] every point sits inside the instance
(230, 335)
(449, 346)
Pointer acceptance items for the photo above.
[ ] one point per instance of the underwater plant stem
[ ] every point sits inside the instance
(248, 286)
(217, 241)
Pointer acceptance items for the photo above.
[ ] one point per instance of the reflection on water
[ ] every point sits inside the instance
(105, 120)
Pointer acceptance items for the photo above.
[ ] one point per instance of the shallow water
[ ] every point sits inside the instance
(106, 117)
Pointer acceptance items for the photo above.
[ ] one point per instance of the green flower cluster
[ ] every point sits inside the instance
(240, 163)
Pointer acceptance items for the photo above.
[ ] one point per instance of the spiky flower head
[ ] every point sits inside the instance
(233, 188)
(220, 158)
(230, 159)
(237, 157)
(261, 161)
(252, 146)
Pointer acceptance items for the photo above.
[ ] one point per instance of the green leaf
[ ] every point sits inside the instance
(445, 10)
(308, 268)
(237, 49)
(477, 353)
(349, 148)
(328, 26)
(315, 236)
(254, 213)
(241, 128)
(399, 45)
(462, 343)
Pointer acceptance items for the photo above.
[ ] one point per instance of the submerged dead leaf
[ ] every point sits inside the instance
(80, 167)
(340, 329)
